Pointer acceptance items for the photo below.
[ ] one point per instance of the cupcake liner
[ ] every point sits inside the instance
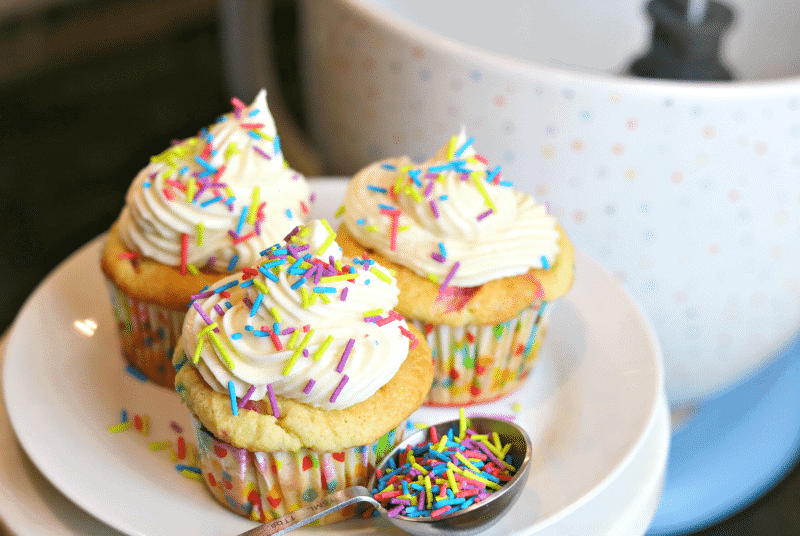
(267, 485)
(476, 363)
(147, 334)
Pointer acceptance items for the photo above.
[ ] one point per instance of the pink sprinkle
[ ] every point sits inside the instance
(309, 386)
(484, 214)
(273, 402)
(247, 396)
(339, 388)
(237, 103)
(345, 355)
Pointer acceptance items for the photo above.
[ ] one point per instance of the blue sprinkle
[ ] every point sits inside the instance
(361, 221)
(277, 145)
(377, 189)
(189, 467)
(464, 147)
(444, 197)
(289, 213)
(242, 218)
(388, 166)
(124, 416)
(386, 207)
(136, 373)
(325, 289)
(232, 395)
(248, 328)
(232, 264)
(247, 283)
(254, 112)
(545, 264)
(298, 283)
(226, 286)
(236, 336)
(146, 184)
(256, 304)
(211, 201)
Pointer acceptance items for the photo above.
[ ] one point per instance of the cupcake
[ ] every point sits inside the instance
(203, 208)
(299, 375)
(477, 262)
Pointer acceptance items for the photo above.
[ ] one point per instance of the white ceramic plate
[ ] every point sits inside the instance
(589, 406)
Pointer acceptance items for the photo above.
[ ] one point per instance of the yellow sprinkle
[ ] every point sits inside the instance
(428, 492)
(434, 278)
(456, 469)
(327, 226)
(419, 468)
(262, 288)
(380, 275)
(293, 339)
(303, 231)
(191, 188)
(466, 462)
(372, 228)
(192, 475)
(197, 350)
(328, 241)
(516, 406)
(231, 150)
(121, 427)
(324, 297)
(223, 353)
(206, 329)
(173, 456)
(388, 488)
(496, 438)
(229, 192)
(451, 148)
(251, 214)
(462, 424)
(337, 278)
(338, 265)
(312, 298)
(304, 342)
(340, 211)
(452, 480)
(484, 193)
(373, 312)
(442, 444)
(275, 314)
(410, 458)
(489, 483)
(411, 191)
(324, 346)
(160, 445)
(402, 228)
(287, 369)
(505, 451)
(304, 298)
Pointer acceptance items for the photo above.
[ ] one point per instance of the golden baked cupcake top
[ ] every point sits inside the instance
(456, 223)
(212, 202)
(306, 332)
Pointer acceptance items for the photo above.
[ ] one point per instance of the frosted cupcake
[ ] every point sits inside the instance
(299, 375)
(203, 208)
(477, 262)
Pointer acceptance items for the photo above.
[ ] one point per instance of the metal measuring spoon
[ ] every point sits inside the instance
(472, 520)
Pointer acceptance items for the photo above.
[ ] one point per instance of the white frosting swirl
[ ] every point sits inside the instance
(441, 216)
(253, 357)
(234, 165)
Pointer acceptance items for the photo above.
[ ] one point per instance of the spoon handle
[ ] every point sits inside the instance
(312, 512)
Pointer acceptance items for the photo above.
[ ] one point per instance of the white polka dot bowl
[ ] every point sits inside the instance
(688, 192)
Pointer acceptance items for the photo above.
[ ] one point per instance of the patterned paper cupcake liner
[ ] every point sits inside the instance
(147, 334)
(475, 363)
(267, 485)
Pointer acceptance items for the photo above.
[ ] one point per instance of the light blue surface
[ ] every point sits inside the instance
(735, 449)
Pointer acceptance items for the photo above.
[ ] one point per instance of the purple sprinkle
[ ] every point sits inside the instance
(220, 311)
(204, 316)
(291, 233)
(247, 302)
(343, 295)
(345, 355)
(372, 318)
(202, 295)
(210, 263)
(313, 196)
(394, 512)
(273, 402)
(428, 188)
(318, 274)
(258, 227)
(305, 352)
(247, 396)
(451, 274)
(309, 386)
(233, 233)
(176, 427)
(434, 208)
(287, 331)
(437, 257)
(262, 153)
(483, 215)
(339, 388)
(406, 502)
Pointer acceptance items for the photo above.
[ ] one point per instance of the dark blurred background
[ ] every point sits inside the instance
(90, 89)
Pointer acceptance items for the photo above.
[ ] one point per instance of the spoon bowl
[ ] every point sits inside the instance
(472, 520)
